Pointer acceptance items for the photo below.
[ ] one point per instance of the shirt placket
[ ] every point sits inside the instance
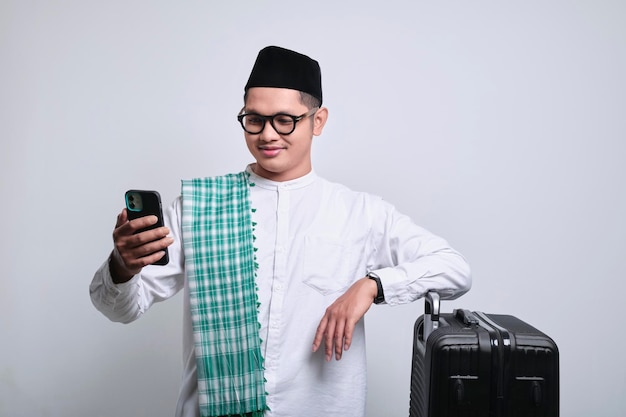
(279, 284)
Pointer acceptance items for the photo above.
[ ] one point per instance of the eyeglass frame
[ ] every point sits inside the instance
(295, 119)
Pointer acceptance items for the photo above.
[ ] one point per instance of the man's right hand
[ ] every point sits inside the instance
(134, 251)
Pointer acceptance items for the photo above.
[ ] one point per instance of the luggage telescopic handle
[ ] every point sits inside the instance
(431, 313)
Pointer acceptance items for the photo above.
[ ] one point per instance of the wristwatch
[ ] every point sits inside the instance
(380, 296)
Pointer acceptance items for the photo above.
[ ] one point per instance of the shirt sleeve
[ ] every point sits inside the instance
(127, 301)
(412, 261)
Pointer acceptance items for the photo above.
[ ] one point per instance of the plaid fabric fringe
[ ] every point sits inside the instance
(217, 233)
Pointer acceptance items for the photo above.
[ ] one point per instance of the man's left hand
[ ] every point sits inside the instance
(337, 325)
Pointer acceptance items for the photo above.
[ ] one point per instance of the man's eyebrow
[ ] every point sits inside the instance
(251, 110)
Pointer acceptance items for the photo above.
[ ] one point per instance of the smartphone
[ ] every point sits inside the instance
(140, 203)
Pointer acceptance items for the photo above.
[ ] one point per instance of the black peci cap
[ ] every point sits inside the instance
(283, 68)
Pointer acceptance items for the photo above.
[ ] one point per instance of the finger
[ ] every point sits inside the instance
(126, 237)
(148, 236)
(330, 331)
(143, 222)
(133, 247)
(121, 218)
(135, 259)
(319, 334)
(349, 331)
(149, 259)
(126, 227)
(339, 339)
(146, 248)
(136, 251)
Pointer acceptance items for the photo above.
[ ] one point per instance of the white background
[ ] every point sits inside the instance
(498, 125)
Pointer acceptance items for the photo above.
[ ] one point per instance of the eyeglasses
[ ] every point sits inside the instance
(283, 124)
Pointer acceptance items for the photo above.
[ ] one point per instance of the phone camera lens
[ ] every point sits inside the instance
(131, 205)
(131, 198)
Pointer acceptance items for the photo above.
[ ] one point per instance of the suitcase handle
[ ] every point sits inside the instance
(431, 313)
(467, 317)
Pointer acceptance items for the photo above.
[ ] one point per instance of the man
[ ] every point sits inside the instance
(278, 265)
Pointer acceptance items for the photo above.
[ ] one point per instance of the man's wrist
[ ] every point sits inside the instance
(118, 276)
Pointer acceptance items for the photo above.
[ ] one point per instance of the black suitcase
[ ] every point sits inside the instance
(476, 364)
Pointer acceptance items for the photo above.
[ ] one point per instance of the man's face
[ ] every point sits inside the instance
(282, 157)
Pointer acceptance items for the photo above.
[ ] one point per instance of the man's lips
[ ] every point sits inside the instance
(270, 151)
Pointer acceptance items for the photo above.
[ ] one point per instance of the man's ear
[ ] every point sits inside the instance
(319, 120)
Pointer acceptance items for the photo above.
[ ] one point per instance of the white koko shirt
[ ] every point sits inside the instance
(314, 238)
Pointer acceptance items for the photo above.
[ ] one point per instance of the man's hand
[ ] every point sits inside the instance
(134, 251)
(337, 325)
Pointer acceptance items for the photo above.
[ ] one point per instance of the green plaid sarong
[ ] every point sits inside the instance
(217, 233)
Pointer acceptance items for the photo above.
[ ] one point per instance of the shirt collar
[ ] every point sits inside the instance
(300, 182)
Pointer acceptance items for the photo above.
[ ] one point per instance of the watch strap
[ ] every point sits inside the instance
(380, 296)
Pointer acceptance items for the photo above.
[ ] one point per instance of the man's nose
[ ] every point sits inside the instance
(269, 133)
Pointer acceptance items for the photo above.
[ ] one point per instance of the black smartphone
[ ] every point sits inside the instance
(140, 203)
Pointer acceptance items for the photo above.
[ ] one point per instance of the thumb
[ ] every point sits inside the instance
(121, 218)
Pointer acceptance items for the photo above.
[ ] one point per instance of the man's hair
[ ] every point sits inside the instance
(309, 101)
(305, 98)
